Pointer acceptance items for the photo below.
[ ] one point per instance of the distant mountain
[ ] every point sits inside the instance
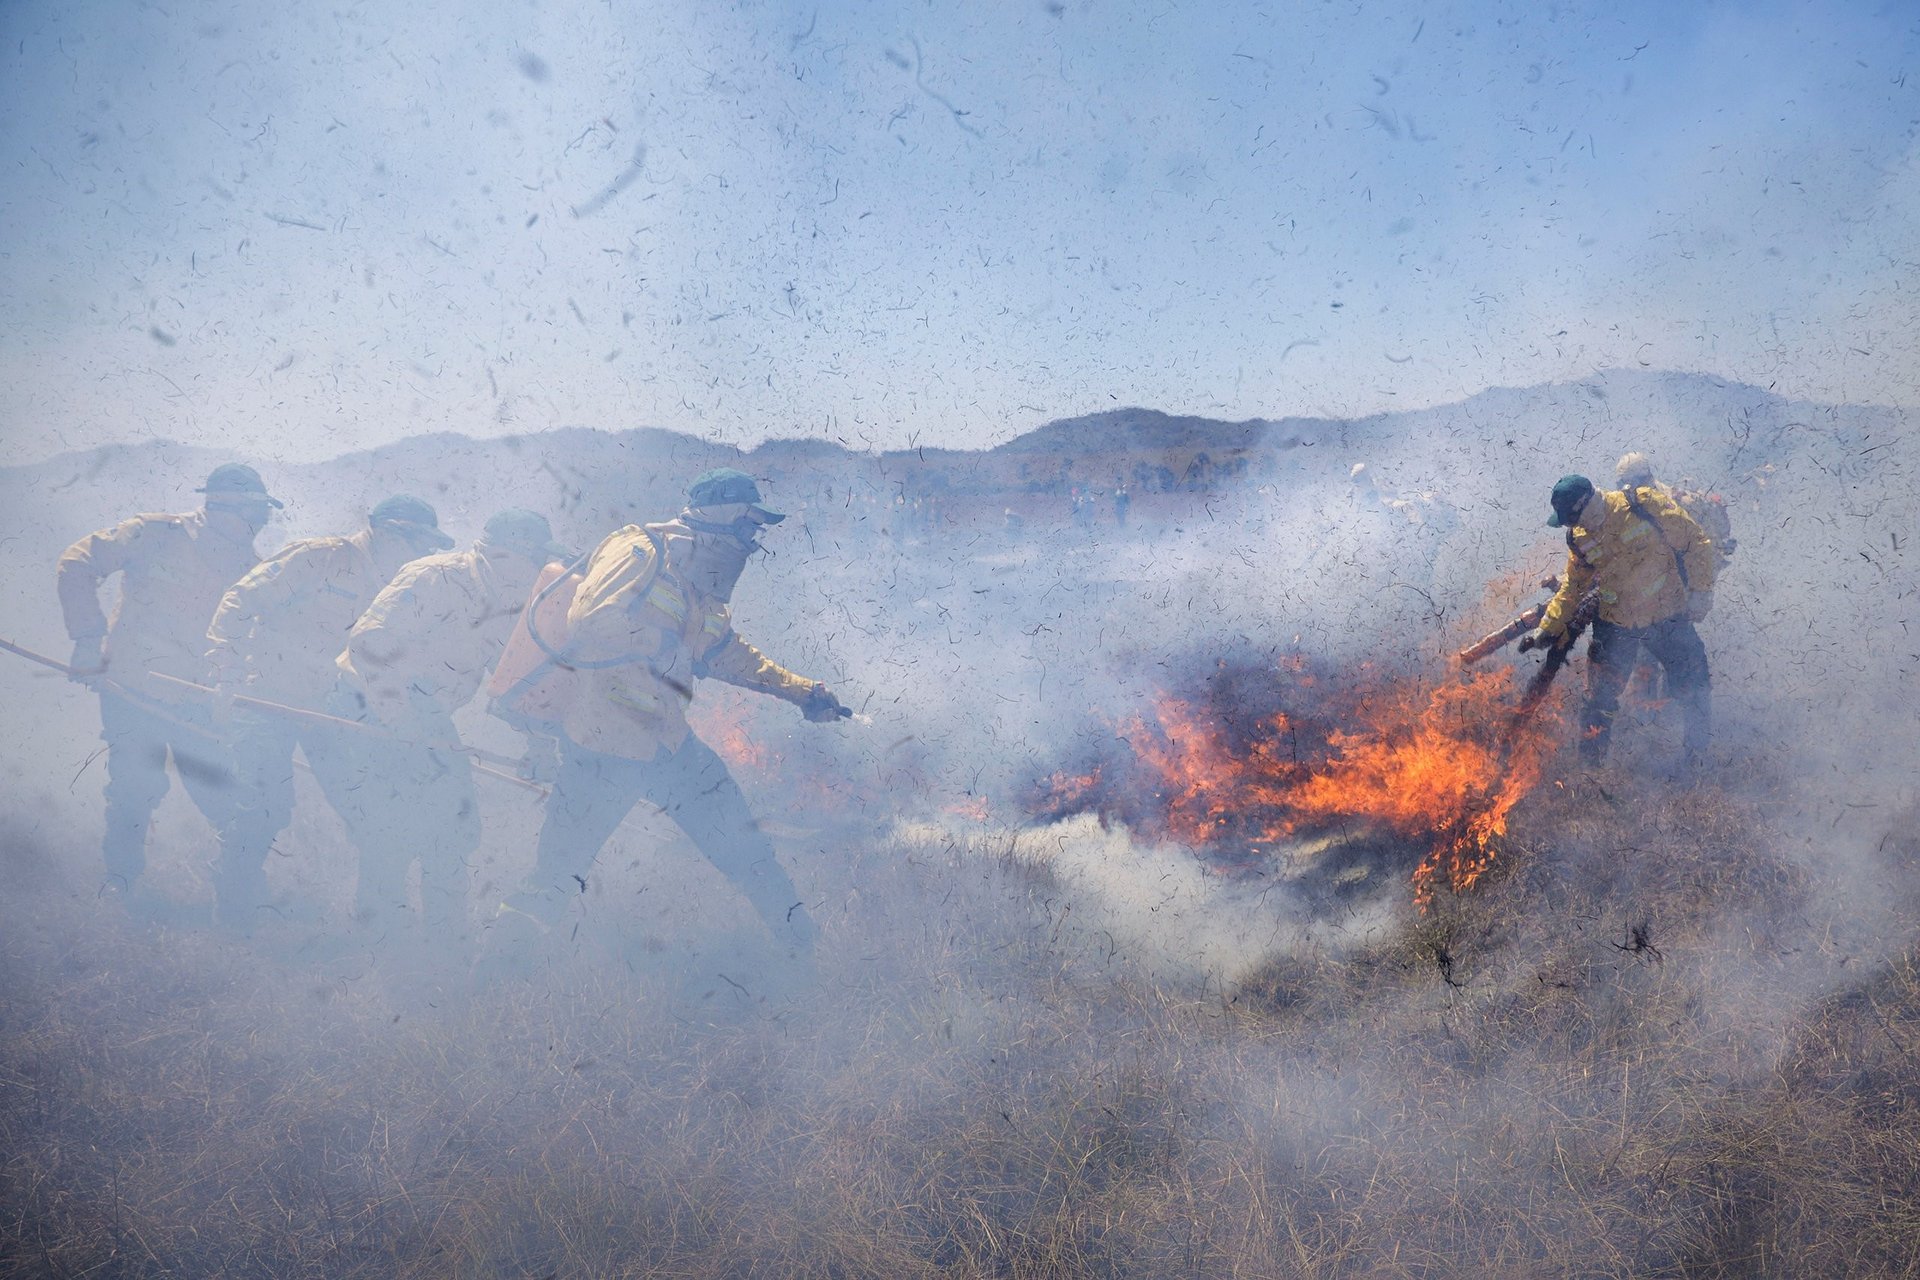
(587, 480)
(1149, 430)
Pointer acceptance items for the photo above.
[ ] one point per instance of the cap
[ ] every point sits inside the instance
(237, 480)
(723, 486)
(1570, 493)
(415, 520)
(524, 532)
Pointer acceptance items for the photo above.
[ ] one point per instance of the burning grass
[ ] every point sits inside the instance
(1265, 755)
(1650, 1044)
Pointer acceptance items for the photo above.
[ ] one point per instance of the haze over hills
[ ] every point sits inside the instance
(1702, 425)
(1832, 484)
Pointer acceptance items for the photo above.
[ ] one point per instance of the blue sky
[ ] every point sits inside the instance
(295, 230)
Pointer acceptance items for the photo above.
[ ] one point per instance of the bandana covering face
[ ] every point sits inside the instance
(724, 538)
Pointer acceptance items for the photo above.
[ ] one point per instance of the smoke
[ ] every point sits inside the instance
(1071, 1013)
(1157, 910)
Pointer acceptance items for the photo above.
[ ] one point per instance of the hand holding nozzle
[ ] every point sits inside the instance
(821, 707)
(1526, 622)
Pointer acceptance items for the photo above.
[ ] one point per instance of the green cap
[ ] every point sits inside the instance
(413, 519)
(524, 532)
(1570, 493)
(723, 486)
(238, 480)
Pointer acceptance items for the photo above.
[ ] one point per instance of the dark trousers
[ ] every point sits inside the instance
(595, 792)
(1610, 662)
(401, 801)
(140, 739)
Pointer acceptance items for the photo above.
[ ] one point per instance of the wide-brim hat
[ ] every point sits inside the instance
(413, 519)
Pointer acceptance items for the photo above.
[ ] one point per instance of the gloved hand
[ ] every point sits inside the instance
(87, 660)
(1534, 640)
(821, 707)
(1699, 604)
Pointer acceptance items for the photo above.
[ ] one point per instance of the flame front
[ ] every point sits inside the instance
(1438, 763)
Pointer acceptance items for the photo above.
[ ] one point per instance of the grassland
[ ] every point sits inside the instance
(1673, 1035)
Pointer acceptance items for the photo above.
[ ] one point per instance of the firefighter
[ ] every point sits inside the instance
(173, 570)
(417, 655)
(275, 636)
(1708, 509)
(1653, 568)
(648, 618)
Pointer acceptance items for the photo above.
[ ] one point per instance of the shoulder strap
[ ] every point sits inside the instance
(1573, 548)
(1633, 505)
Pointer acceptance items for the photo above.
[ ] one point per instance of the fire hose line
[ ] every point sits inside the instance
(484, 762)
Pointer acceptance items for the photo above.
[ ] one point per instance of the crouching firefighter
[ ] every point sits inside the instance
(1652, 568)
(275, 636)
(648, 616)
(404, 784)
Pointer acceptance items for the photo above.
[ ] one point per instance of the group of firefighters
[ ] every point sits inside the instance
(359, 649)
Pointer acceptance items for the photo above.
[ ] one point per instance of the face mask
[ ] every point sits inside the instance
(252, 514)
(719, 555)
(392, 548)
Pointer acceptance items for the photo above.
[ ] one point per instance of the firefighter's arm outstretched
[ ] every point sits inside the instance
(736, 662)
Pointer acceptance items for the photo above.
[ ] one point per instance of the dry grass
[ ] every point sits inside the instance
(1651, 1045)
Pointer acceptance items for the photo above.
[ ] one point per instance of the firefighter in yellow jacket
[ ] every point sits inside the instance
(275, 636)
(649, 618)
(1708, 509)
(418, 654)
(173, 570)
(1652, 568)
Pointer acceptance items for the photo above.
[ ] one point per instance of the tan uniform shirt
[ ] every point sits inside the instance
(429, 637)
(1631, 562)
(290, 615)
(678, 635)
(174, 570)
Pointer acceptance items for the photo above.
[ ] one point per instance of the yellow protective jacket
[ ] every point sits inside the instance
(429, 638)
(174, 570)
(630, 606)
(1632, 563)
(290, 615)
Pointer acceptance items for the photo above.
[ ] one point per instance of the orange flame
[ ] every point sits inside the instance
(970, 808)
(1432, 762)
(739, 749)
